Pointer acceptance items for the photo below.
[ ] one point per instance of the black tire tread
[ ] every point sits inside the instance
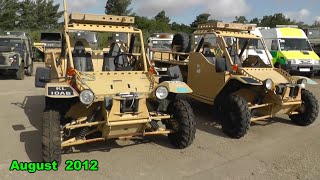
(312, 110)
(20, 72)
(242, 111)
(29, 70)
(182, 39)
(51, 142)
(182, 110)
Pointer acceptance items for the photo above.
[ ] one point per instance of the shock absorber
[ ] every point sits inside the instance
(89, 119)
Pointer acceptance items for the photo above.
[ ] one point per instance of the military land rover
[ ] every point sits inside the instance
(16, 56)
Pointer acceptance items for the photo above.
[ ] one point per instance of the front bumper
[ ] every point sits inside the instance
(302, 68)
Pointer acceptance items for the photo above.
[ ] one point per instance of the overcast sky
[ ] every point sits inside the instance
(185, 11)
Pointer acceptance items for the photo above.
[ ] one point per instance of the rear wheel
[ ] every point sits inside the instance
(309, 110)
(236, 120)
(51, 137)
(20, 72)
(183, 123)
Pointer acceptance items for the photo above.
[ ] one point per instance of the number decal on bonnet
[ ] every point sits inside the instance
(60, 91)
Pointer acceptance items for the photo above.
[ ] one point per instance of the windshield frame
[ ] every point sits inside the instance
(101, 28)
(221, 35)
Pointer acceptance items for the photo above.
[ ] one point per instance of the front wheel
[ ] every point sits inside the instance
(182, 122)
(237, 116)
(309, 110)
(30, 69)
(51, 136)
(20, 72)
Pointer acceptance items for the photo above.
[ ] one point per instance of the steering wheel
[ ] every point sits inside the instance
(128, 66)
(247, 63)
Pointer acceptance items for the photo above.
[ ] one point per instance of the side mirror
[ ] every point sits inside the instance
(42, 77)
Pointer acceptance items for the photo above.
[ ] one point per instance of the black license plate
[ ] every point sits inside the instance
(60, 91)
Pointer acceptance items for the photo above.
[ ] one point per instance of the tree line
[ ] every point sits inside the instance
(162, 23)
(35, 16)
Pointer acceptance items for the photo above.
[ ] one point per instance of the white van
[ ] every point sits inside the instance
(255, 48)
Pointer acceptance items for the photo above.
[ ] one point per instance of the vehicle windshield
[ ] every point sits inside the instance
(11, 42)
(161, 44)
(115, 51)
(50, 37)
(295, 45)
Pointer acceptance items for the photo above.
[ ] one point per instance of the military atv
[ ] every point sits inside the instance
(16, 56)
(95, 95)
(50, 42)
(242, 88)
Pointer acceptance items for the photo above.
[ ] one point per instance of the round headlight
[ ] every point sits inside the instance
(268, 84)
(162, 92)
(302, 83)
(87, 97)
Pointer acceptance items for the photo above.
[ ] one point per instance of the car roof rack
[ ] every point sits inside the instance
(227, 26)
(287, 26)
(101, 19)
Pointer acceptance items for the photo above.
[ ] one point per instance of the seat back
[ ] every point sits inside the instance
(209, 55)
(108, 59)
(82, 60)
(234, 56)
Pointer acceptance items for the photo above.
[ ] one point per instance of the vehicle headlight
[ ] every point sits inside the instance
(162, 92)
(268, 84)
(293, 61)
(302, 83)
(87, 97)
(315, 62)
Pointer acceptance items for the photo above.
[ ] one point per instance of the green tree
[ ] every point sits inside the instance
(255, 21)
(200, 19)
(8, 14)
(276, 19)
(118, 7)
(161, 17)
(316, 24)
(181, 28)
(48, 14)
(240, 19)
(39, 14)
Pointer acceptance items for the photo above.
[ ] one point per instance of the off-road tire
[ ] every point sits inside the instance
(311, 110)
(182, 39)
(183, 115)
(237, 116)
(20, 72)
(51, 137)
(29, 70)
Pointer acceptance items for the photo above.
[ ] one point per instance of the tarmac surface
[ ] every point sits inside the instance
(273, 149)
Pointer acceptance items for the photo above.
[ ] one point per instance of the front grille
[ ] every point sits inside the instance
(292, 88)
(2, 60)
(294, 91)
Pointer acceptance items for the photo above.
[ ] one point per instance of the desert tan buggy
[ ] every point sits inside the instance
(94, 95)
(243, 88)
(49, 45)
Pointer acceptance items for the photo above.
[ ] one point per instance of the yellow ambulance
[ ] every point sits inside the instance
(291, 50)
